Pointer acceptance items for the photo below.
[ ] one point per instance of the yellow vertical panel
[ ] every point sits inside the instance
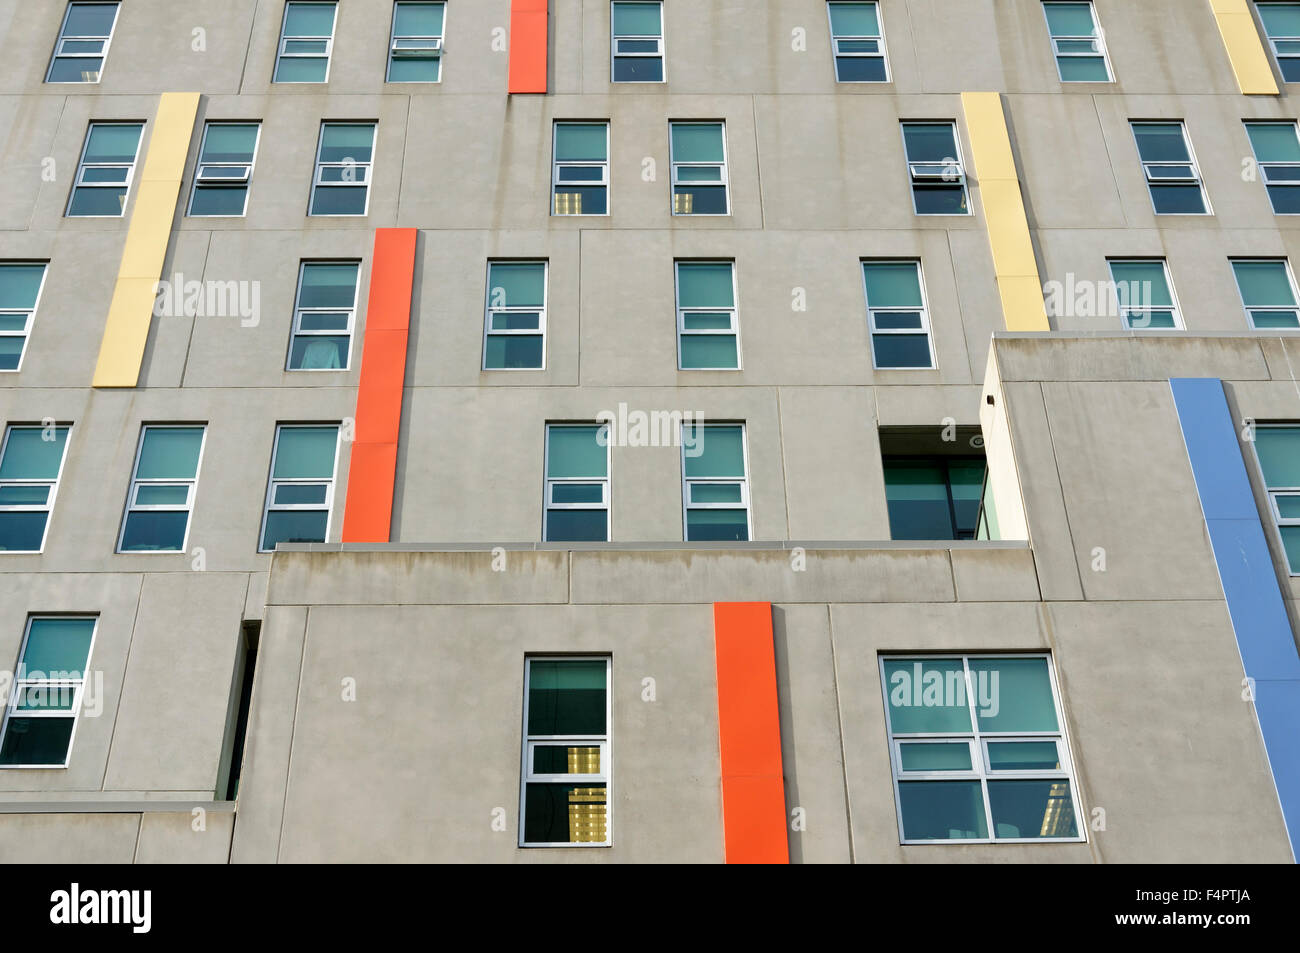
(1245, 48)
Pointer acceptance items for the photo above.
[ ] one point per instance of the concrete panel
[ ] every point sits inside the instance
(170, 838)
(68, 838)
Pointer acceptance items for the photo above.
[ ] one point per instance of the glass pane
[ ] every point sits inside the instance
(343, 141)
(300, 494)
(98, 201)
(36, 741)
(294, 526)
(705, 285)
(24, 494)
(854, 19)
(30, 456)
(1274, 141)
(898, 320)
(47, 698)
(1291, 543)
(940, 200)
(57, 648)
(516, 285)
(1285, 199)
(937, 757)
(19, 285)
(576, 452)
(930, 142)
(700, 200)
(901, 350)
(703, 526)
(1178, 199)
(1032, 809)
(1152, 320)
(155, 531)
(305, 453)
(926, 696)
(11, 352)
(580, 173)
(697, 142)
(638, 69)
(700, 173)
(942, 810)
(1070, 19)
(860, 69)
(706, 351)
(571, 200)
(1024, 756)
(716, 493)
(90, 19)
(162, 494)
(516, 321)
(1275, 319)
(580, 142)
(1161, 142)
(113, 142)
(1141, 284)
(1290, 67)
(578, 493)
(170, 453)
(1013, 694)
(230, 142)
(322, 321)
(514, 352)
(713, 451)
(565, 814)
(22, 532)
(1083, 69)
(309, 19)
(577, 526)
(893, 284)
(219, 200)
(917, 497)
(1288, 507)
(413, 69)
(637, 19)
(13, 322)
(339, 200)
(301, 70)
(707, 321)
(1278, 449)
(319, 352)
(1264, 283)
(966, 481)
(75, 70)
(418, 19)
(566, 759)
(1280, 19)
(566, 697)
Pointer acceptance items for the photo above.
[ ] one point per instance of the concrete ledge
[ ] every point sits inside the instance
(1132, 356)
(115, 807)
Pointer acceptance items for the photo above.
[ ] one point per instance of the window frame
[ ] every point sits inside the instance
(19, 686)
(734, 312)
(280, 53)
(926, 327)
(1176, 308)
(1291, 279)
(1272, 493)
(61, 38)
(127, 182)
(136, 483)
(1273, 41)
(674, 165)
(48, 506)
(30, 323)
(295, 329)
(542, 312)
(961, 178)
(880, 39)
(1264, 167)
(1099, 37)
(945, 461)
(364, 182)
(661, 54)
(272, 483)
(218, 182)
(607, 481)
(435, 44)
(688, 482)
(1150, 180)
(605, 181)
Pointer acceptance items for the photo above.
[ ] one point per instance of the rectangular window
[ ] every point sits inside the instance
(1277, 449)
(978, 750)
(1268, 292)
(106, 169)
(324, 315)
(514, 335)
(699, 165)
(897, 315)
(566, 756)
(344, 158)
(20, 289)
(580, 182)
(82, 46)
(1145, 294)
(224, 169)
(577, 483)
(715, 482)
(1170, 168)
(934, 497)
(415, 47)
(163, 485)
(31, 462)
(306, 41)
(935, 168)
(708, 328)
(637, 42)
(1282, 27)
(1078, 43)
(300, 493)
(858, 43)
(45, 698)
(1277, 153)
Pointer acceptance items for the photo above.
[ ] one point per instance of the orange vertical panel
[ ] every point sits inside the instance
(368, 510)
(528, 46)
(749, 734)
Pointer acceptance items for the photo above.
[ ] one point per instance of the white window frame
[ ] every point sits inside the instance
(723, 180)
(1273, 41)
(272, 484)
(127, 181)
(605, 742)
(63, 38)
(361, 180)
(1176, 308)
(297, 331)
(280, 51)
(873, 330)
(1153, 178)
(1290, 277)
(22, 684)
(489, 311)
(660, 53)
(192, 488)
(1265, 168)
(237, 173)
(734, 311)
(26, 332)
(926, 173)
(879, 39)
(1273, 493)
(743, 482)
(1099, 38)
(431, 44)
(48, 506)
(556, 164)
(978, 740)
(549, 483)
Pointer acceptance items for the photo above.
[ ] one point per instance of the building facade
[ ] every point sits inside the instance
(517, 431)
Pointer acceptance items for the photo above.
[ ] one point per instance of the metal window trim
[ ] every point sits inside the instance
(329, 43)
(9, 708)
(926, 326)
(54, 484)
(1098, 37)
(1197, 178)
(1175, 307)
(687, 506)
(272, 482)
(661, 55)
(607, 480)
(296, 330)
(62, 37)
(947, 181)
(606, 181)
(541, 312)
(1285, 262)
(133, 489)
(883, 55)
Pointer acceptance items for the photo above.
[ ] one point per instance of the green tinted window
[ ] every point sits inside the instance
(581, 142)
(1278, 449)
(306, 453)
(720, 451)
(926, 696)
(33, 453)
(1013, 695)
(566, 697)
(57, 645)
(576, 452)
(697, 142)
(170, 453)
(517, 285)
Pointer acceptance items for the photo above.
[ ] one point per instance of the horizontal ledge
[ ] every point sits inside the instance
(115, 807)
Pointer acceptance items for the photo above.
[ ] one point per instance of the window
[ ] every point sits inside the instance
(581, 180)
(1282, 27)
(515, 327)
(637, 43)
(935, 168)
(31, 462)
(699, 161)
(1078, 43)
(934, 497)
(1145, 294)
(715, 486)
(978, 750)
(1277, 449)
(224, 168)
(324, 315)
(1277, 153)
(1170, 169)
(306, 41)
(300, 493)
(106, 169)
(161, 497)
(415, 47)
(566, 762)
(82, 46)
(46, 695)
(896, 312)
(343, 162)
(858, 43)
(1268, 292)
(577, 483)
(20, 289)
(708, 330)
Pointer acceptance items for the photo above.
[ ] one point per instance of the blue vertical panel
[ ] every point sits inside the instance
(1249, 580)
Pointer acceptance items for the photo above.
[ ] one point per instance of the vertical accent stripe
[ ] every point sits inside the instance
(749, 733)
(528, 46)
(1004, 213)
(368, 511)
(121, 350)
(1245, 47)
(1249, 580)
